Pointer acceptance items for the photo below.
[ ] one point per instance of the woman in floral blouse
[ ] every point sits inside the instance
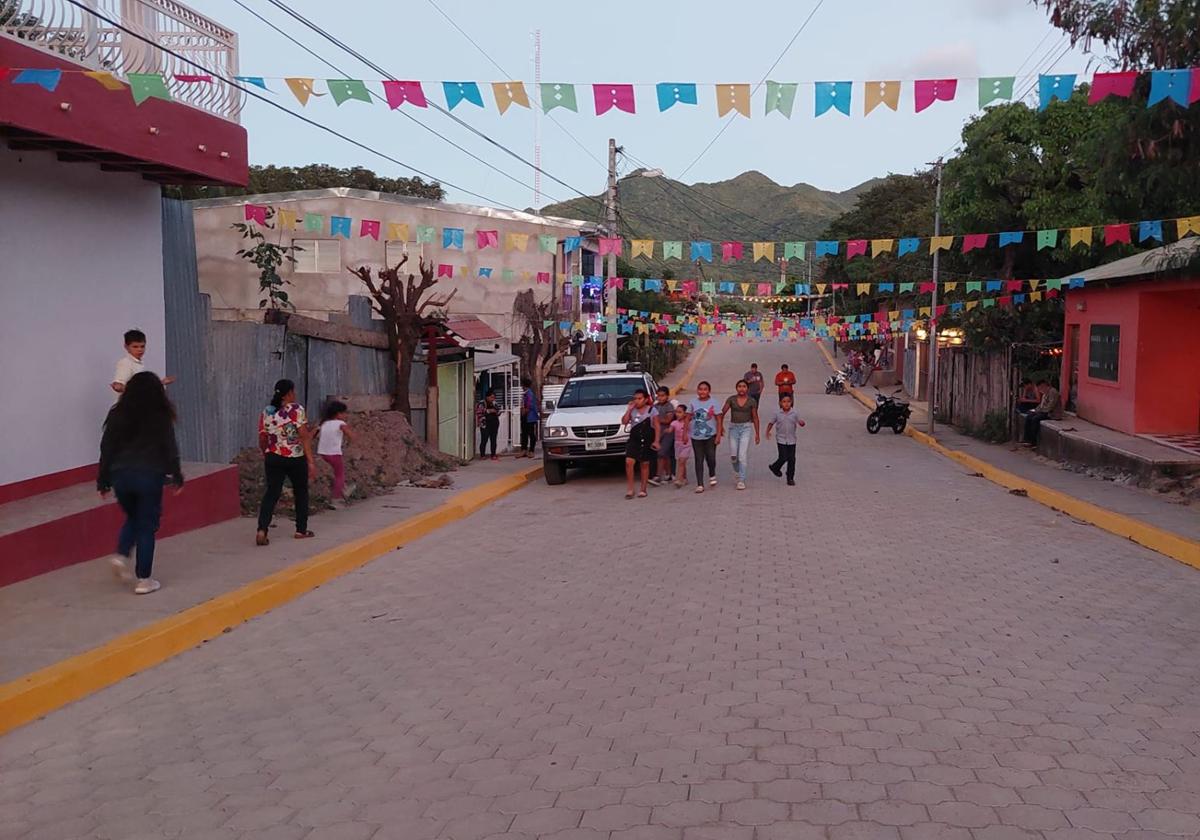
(286, 443)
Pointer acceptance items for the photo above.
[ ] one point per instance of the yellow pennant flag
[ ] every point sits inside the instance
(864, 288)
(510, 93)
(745, 288)
(880, 246)
(1191, 224)
(644, 329)
(106, 79)
(821, 288)
(642, 248)
(1081, 234)
(950, 287)
(397, 232)
(894, 315)
(881, 93)
(672, 285)
(764, 251)
(302, 89)
(733, 98)
(971, 304)
(925, 311)
(287, 219)
(940, 243)
(1035, 296)
(1033, 284)
(515, 241)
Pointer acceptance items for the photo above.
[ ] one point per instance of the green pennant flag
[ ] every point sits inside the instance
(780, 97)
(987, 303)
(906, 287)
(634, 284)
(145, 86)
(793, 250)
(974, 286)
(547, 324)
(1047, 238)
(314, 222)
(508, 273)
(343, 89)
(672, 250)
(1053, 284)
(709, 287)
(548, 243)
(426, 233)
(558, 95)
(993, 88)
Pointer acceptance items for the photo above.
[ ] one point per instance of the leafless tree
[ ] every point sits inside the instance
(541, 347)
(402, 302)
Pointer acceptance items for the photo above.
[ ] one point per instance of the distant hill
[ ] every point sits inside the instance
(748, 207)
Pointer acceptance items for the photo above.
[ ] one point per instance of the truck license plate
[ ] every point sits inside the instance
(595, 445)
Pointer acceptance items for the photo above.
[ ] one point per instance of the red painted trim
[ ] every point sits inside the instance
(109, 120)
(92, 533)
(46, 483)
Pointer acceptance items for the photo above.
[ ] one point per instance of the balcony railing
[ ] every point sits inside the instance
(62, 28)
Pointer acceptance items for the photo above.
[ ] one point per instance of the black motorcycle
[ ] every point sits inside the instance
(889, 412)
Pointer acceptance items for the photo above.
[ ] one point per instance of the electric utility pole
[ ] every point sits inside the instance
(933, 318)
(610, 293)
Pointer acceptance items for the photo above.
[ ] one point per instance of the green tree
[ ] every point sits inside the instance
(267, 257)
(315, 176)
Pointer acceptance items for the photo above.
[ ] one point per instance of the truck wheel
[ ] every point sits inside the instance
(555, 472)
(873, 422)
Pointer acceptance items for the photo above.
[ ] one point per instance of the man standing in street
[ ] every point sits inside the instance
(785, 381)
(754, 379)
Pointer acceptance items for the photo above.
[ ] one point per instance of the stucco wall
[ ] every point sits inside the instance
(233, 287)
(1168, 383)
(1099, 401)
(80, 263)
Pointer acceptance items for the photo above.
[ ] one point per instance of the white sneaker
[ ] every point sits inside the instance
(654, 482)
(146, 585)
(119, 567)
(712, 482)
(741, 485)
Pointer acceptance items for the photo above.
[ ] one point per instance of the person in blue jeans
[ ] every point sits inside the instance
(529, 419)
(138, 453)
(743, 420)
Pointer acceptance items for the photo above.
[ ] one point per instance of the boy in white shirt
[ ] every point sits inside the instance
(131, 363)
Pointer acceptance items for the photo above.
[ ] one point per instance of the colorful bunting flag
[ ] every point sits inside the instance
(314, 222)
(781, 96)
(973, 241)
(48, 79)
(908, 245)
(426, 234)
(672, 250)
(880, 93)
(257, 81)
(832, 95)
(397, 232)
(995, 88)
(733, 98)
(193, 78)
(1170, 84)
(1188, 226)
(444, 270)
(369, 227)
(487, 239)
(928, 91)
(256, 213)
(608, 97)
(794, 250)
(1054, 86)
(558, 95)
(610, 245)
(880, 246)
(826, 247)
(764, 251)
(452, 238)
(106, 79)
(675, 93)
(145, 86)
(516, 241)
(547, 243)
(1014, 237)
(287, 218)
(346, 89)
(855, 248)
(508, 94)
(399, 93)
(940, 243)
(302, 89)
(1080, 235)
(572, 243)
(1105, 85)
(1150, 230)
(1114, 234)
(1047, 238)
(731, 251)
(340, 226)
(701, 251)
(457, 92)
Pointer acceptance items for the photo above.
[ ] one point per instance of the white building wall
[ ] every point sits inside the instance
(80, 263)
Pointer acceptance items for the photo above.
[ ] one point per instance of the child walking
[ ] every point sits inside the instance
(785, 423)
(743, 419)
(679, 429)
(333, 432)
(704, 434)
(643, 441)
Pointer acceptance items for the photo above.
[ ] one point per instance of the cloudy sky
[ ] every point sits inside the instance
(641, 43)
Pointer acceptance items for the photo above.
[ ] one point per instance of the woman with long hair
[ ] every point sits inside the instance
(286, 444)
(138, 452)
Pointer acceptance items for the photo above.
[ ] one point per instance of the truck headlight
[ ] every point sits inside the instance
(556, 431)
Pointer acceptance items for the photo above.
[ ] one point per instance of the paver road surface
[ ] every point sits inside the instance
(891, 649)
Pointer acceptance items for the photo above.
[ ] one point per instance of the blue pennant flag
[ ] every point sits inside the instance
(1075, 283)
(956, 306)
(827, 246)
(652, 285)
(907, 313)
(1054, 86)
(47, 79)
(887, 287)
(340, 226)
(457, 92)
(452, 238)
(908, 246)
(702, 251)
(833, 95)
(992, 286)
(485, 272)
(726, 287)
(1014, 237)
(1170, 84)
(675, 93)
(257, 81)
(1150, 230)
(1018, 298)
(572, 243)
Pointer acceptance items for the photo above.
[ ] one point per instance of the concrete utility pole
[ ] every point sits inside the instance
(610, 294)
(933, 319)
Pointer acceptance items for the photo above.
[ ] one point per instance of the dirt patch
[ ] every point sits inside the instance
(385, 452)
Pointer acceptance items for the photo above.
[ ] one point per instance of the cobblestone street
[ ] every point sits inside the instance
(892, 649)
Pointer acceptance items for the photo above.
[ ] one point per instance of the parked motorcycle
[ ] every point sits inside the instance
(889, 412)
(836, 384)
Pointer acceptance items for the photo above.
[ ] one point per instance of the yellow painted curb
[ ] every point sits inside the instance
(37, 694)
(1152, 537)
(682, 384)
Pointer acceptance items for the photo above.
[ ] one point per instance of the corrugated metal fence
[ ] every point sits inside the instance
(225, 370)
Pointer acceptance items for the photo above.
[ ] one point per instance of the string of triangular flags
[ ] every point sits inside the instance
(1181, 86)
(733, 250)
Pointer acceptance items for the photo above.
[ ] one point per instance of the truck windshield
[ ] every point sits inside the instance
(581, 393)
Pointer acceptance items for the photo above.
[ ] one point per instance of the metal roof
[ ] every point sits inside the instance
(488, 361)
(389, 198)
(1165, 260)
(471, 329)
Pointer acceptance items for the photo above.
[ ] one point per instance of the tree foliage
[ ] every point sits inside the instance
(267, 257)
(316, 176)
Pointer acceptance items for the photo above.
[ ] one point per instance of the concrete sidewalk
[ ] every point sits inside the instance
(57, 615)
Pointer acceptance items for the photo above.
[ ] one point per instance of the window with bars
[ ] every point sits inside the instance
(317, 256)
(1104, 351)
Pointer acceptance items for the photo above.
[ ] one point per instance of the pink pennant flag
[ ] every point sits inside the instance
(1005, 300)
(974, 240)
(1112, 84)
(613, 96)
(1014, 285)
(610, 246)
(1116, 233)
(841, 286)
(192, 78)
(615, 283)
(256, 213)
(764, 289)
(940, 310)
(689, 287)
(397, 93)
(925, 288)
(543, 277)
(445, 270)
(856, 248)
(487, 239)
(369, 227)
(731, 251)
(928, 91)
